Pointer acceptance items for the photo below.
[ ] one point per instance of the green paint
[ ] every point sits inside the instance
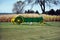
(20, 19)
(38, 19)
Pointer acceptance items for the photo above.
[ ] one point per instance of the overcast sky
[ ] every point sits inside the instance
(6, 6)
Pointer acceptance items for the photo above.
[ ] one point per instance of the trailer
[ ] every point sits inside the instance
(27, 18)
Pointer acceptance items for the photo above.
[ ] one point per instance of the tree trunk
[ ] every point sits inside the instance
(43, 9)
(42, 5)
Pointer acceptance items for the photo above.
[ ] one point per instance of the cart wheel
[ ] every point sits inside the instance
(18, 20)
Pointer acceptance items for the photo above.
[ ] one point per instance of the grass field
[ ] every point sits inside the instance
(25, 31)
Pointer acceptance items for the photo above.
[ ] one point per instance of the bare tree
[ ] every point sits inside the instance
(18, 7)
(43, 3)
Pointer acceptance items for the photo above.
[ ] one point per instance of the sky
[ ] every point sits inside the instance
(6, 6)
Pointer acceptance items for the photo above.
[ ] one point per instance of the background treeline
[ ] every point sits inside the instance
(50, 12)
(53, 12)
(31, 11)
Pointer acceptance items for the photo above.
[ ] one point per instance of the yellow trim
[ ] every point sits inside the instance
(12, 20)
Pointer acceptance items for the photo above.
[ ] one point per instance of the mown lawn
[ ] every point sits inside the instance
(25, 31)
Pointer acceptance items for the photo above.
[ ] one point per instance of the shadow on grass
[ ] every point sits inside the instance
(37, 24)
(47, 24)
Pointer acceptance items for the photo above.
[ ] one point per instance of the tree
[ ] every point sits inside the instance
(29, 11)
(43, 3)
(18, 7)
(51, 12)
(37, 12)
(58, 12)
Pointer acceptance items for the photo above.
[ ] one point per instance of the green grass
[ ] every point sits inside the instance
(25, 31)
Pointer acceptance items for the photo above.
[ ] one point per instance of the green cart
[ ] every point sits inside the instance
(19, 19)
